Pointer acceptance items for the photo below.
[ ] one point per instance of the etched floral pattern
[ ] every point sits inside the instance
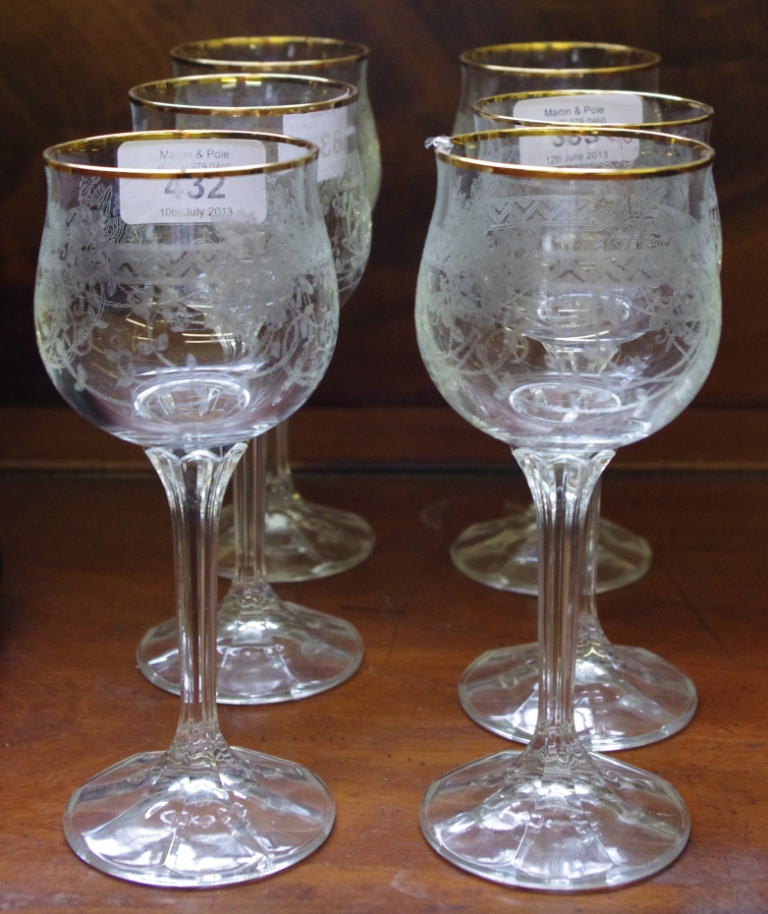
(250, 308)
(348, 220)
(344, 196)
(584, 310)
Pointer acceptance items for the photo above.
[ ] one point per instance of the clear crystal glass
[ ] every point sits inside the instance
(188, 309)
(502, 552)
(567, 306)
(548, 65)
(303, 540)
(270, 650)
(623, 696)
(329, 58)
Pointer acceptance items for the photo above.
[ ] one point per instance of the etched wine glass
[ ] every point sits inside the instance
(566, 306)
(502, 552)
(303, 539)
(623, 696)
(270, 650)
(329, 58)
(186, 301)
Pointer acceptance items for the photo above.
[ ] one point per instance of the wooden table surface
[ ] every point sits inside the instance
(85, 534)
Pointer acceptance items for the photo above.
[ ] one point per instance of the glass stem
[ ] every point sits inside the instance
(590, 633)
(591, 545)
(562, 486)
(249, 504)
(278, 461)
(195, 481)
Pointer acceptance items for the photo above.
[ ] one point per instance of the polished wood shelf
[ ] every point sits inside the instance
(389, 439)
(85, 533)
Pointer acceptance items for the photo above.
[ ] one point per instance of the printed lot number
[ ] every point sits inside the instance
(196, 198)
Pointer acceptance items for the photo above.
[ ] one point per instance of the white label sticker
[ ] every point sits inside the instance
(181, 199)
(580, 152)
(603, 109)
(562, 151)
(328, 130)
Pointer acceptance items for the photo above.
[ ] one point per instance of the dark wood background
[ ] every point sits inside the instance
(66, 66)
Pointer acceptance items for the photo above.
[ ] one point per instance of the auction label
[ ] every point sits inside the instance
(328, 130)
(603, 109)
(600, 109)
(192, 199)
(564, 151)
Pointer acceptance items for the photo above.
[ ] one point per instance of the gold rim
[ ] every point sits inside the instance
(112, 140)
(349, 52)
(648, 59)
(707, 155)
(347, 95)
(706, 112)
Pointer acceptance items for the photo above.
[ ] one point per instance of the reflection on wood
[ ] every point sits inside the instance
(89, 567)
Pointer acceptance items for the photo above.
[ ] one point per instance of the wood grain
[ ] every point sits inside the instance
(389, 439)
(88, 568)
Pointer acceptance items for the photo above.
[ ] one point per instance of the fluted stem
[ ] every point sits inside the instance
(562, 486)
(195, 481)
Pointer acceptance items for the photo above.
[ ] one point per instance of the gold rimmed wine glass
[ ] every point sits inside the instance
(187, 309)
(328, 58)
(548, 65)
(303, 540)
(623, 696)
(566, 307)
(270, 650)
(502, 552)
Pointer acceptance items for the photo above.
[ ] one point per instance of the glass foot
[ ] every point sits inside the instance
(623, 696)
(566, 821)
(268, 651)
(241, 815)
(502, 553)
(303, 540)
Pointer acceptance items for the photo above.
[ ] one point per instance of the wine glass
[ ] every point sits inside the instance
(568, 303)
(303, 540)
(549, 65)
(186, 309)
(270, 650)
(502, 552)
(623, 696)
(331, 58)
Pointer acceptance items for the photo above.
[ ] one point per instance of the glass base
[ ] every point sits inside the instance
(623, 696)
(242, 816)
(302, 540)
(502, 553)
(567, 821)
(268, 651)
